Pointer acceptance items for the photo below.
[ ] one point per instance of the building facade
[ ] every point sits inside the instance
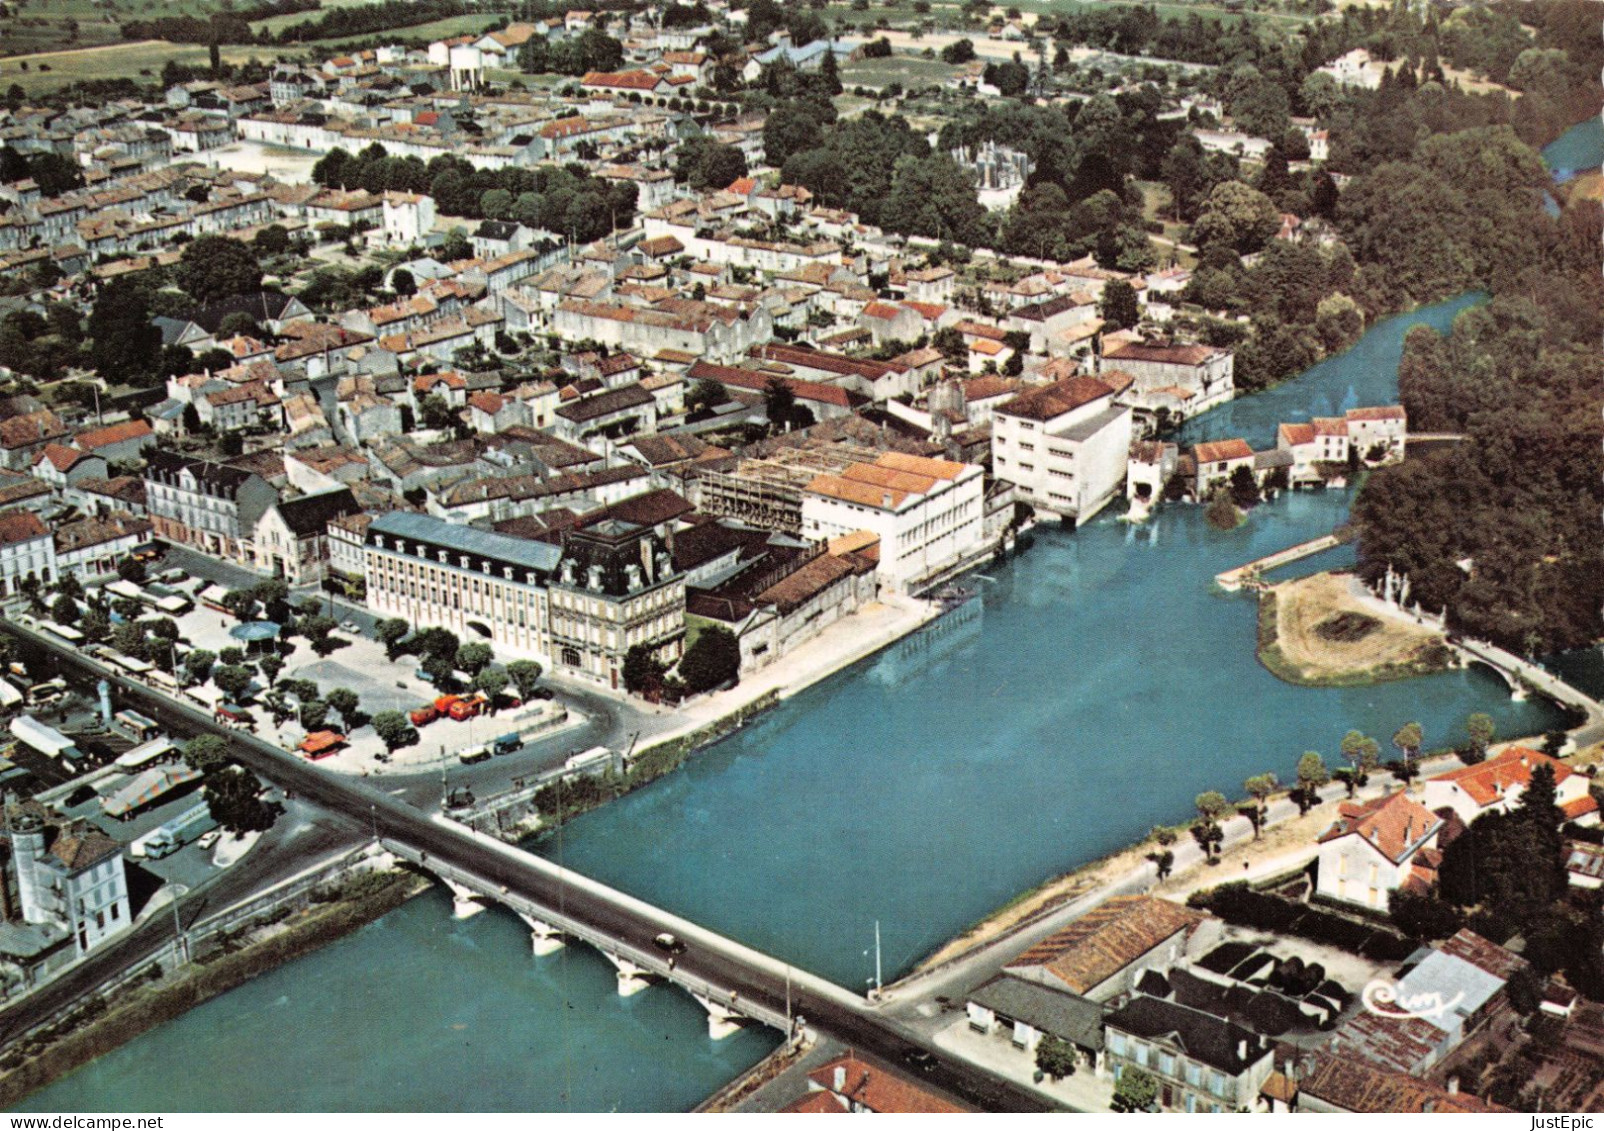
(616, 587)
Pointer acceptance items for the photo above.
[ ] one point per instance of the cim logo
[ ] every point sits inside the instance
(1387, 999)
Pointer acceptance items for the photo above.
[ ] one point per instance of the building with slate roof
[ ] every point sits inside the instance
(292, 537)
(70, 879)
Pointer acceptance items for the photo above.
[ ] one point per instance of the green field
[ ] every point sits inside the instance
(141, 62)
(49, 25)
(276, 24)
(435, 29)
(905, 69)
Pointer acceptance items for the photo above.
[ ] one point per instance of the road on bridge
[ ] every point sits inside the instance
(718, 962)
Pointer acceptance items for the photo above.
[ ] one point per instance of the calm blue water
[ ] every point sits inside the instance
(1367, 374)
(1579, 149)
(419, 1012)
(1098, 688)
(1098, 684)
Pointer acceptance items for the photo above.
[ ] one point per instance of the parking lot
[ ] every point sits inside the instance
(381, 684)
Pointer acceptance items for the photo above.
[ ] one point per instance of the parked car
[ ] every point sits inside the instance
(351, 626)
(542, 693)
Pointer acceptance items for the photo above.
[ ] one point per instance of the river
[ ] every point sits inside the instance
(1095, 686)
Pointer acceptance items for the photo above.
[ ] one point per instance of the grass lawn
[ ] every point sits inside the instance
(276, 24)
(140, 61)
(43, 25)
(435, 29)
(907, 70)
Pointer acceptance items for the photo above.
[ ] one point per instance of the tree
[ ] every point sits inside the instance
(124, 345)
(314, 714)
(272, 240)
(217, 267)
(1259, 787)
(950, 341)
(391, 631)
(790, 129)
(347, 704)
(232, 679)
(198, 665)
(435, 414)
(1237, 217)
(706, 394)
(1244, 488)
(1136, 1091)
(393, 729)
(234, 797)
(232, 656)
(440, 667)
(316, 628)
(1163, 859)
(1482, 731)
(958, 53)
(95, 626)
(207, 753)
(1119, 307)
(64, 610)
(1211, 806)
(779, 403)
(492, 681)
(1312, 775)
(1221, 513)
(473, 658)
(69, 586)
(270, 665)
(643, 671)
(703, 163)
(303, 689)
(712, 660)
(402, 282)
(1055, 1056)
(525, 676)
(1362, 754)
(1408, 740)
(1422, 916)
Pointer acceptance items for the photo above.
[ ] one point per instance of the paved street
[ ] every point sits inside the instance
(711, 960)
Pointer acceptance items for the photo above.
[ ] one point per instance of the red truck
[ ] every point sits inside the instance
(467, 708)
(424, 715)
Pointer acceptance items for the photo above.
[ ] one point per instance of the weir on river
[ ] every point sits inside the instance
(1090, 692)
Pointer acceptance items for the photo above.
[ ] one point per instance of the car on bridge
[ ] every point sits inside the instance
(669, 944)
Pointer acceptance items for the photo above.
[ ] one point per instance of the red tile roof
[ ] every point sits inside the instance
(113, 434)
(21, 526)
(1056, 399)
(1393, 825)
(878, 1089)
(1109, 938)
(1219, 451)
(1489, 782)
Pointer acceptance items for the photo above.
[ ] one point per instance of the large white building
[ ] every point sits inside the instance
(71, 879)
(1064, 445)
(481, 585)
(927, 513)
(408, 217)
(26, 550)
(1374, 848)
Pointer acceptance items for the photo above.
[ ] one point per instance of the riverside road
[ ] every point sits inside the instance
(711, 959)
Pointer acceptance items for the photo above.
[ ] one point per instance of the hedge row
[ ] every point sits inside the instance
(1239, 904)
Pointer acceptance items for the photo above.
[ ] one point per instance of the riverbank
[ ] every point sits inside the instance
(96, 1028)
(1326, 631)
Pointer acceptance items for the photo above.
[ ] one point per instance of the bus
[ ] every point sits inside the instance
(44, 694)
(62, 632)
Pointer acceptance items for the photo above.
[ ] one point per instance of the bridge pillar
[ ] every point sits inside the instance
(632, 979)
(465, 902)
(546, 938)
(722, 1018)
